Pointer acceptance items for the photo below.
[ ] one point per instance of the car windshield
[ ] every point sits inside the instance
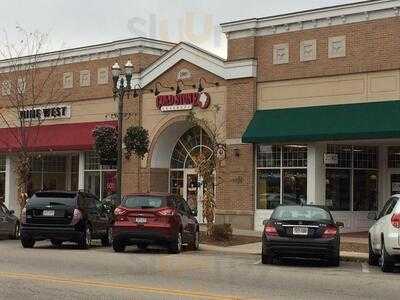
(144, 202)
(53, 199)
(300, 213)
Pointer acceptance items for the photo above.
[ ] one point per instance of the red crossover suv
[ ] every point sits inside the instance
(155, 219)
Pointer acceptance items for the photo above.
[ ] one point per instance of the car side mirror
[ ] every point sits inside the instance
(194, 212)
(372, 215)
(339, 224)
(265, 222)
(12, 212)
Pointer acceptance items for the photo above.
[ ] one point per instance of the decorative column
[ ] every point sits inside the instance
(316, 177)
(81, 175)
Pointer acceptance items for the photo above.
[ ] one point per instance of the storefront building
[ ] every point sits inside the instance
(305, 106)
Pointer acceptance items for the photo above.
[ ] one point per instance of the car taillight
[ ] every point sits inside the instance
(76, 217)
(119, 213)
(330, 232)
(270, 230)
(166, 212)
(23, 216)
(395, 220)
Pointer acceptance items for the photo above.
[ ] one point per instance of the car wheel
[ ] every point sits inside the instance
(195, 242)
(56, 243)
(27, 242)
(16, 233)
(142, 246)
(176, 245)
(106, 240)
(373, 259)
(385, 260)
(118, 246)
(266, 259)
(334, 261)
(86, 238)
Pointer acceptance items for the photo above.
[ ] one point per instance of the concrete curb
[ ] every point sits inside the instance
(344, 255)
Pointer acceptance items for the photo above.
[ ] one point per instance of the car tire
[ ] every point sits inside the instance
(86, 238)
(385, 260)
(195, 242)
(142, 246)
(373, 259)
(334, 261)
(266, 259)
(27, 242)
(56, 243)
(176, 246)
(118, 246)
(16, 233)
(106, 240)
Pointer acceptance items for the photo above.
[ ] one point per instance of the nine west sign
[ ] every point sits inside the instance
(183, 101)
(48, 112)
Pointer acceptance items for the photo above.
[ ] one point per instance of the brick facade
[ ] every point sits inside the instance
(370, 46)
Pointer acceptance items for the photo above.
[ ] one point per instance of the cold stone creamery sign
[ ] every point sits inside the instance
(48, 112)
(183, 101)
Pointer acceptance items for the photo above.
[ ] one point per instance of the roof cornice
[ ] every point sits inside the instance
(184, 51)
(93, 52)
(316, 18)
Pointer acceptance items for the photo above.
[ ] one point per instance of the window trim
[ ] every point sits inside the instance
(352, 171)
(281, 169)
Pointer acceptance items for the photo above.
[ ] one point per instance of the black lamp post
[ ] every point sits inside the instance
(122, 86)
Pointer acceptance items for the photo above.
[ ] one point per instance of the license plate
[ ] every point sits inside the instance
(300, 230)
(141, 220)
(48, 213)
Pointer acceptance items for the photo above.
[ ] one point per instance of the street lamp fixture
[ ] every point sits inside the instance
(157, 91)
(180, 82)
(122, 85)
(201, 88)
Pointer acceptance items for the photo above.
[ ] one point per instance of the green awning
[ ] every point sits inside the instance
(376, 120)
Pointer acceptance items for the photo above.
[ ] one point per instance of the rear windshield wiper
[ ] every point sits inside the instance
(144, 207)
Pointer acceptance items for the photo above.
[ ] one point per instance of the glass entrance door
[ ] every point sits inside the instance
(193, 192)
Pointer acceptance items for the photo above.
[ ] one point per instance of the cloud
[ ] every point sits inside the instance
(78, 23)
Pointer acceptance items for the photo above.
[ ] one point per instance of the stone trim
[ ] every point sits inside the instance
(234, 212)
(310, 19)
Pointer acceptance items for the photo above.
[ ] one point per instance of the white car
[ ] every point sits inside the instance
(384, 236)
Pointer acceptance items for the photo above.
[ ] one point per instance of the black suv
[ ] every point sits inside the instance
(65, 216)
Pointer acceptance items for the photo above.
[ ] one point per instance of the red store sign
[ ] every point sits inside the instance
(183, 101)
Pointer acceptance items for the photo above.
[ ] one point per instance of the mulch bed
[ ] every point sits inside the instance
(354, 247)
(241, 240)
(235, 241)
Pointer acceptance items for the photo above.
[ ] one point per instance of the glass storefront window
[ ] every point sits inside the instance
(48, 172)
(2, 177)
(338, 184)
(281, 166)
(268, 188)
(294, 186)
(176, 182)
(92, 182)
(100, 180)
(394, 157)
(353, 179)
(365, 190)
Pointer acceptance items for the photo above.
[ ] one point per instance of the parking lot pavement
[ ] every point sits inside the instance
(69, 273)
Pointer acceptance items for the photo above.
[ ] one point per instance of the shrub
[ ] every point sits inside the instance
(220, 232)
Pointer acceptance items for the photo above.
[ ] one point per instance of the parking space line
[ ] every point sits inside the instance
(364, 268)
(258, 262)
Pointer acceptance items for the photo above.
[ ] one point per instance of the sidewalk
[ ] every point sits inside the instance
(255, 248)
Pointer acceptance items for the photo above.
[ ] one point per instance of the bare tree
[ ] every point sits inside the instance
(28, 79)
(206, 164)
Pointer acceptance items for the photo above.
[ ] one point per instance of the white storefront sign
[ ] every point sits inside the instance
(331, 159)
(47, 112)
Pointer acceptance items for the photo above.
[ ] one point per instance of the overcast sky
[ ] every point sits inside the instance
(73, 23)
